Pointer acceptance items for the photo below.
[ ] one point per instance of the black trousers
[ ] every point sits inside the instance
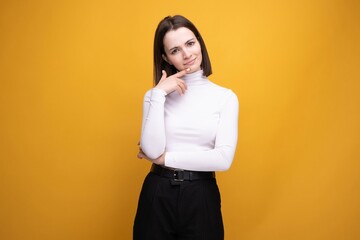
(169, 210)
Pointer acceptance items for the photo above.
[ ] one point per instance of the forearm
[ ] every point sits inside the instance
(219, 159)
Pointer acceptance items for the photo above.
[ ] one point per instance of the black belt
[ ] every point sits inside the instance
(179, 175)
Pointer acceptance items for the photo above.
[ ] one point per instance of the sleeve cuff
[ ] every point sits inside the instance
(159, 91)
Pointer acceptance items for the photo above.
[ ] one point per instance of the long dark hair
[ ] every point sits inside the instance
(173, 23)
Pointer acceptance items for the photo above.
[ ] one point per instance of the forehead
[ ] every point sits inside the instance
(177, 37)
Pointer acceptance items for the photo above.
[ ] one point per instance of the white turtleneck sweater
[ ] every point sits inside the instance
(196, 131)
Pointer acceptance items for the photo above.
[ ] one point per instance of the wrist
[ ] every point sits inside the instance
(160, 90)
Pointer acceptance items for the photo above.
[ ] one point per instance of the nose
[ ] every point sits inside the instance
(186, 53)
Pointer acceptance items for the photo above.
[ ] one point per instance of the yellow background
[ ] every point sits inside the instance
(72, 78)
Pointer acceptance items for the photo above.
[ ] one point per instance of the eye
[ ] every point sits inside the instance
(174, 51)
(191, 43)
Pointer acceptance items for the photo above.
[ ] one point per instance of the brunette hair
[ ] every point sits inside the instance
(172, 23)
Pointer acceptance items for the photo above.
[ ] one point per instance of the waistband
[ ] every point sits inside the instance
(179, 175)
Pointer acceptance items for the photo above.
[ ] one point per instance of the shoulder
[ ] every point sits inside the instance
(230, 99)
(148, 92)
(225, 93)
(231, 95)
(227, 98)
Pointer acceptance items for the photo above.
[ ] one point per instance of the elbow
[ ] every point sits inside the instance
(226, 162)
(225, 166)
(151, 151)
(153, 145)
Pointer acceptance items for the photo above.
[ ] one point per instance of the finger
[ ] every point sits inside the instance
(140, 155)
(179, 81)
(163, 76)
(182, 72)
(182, 87)
(180, 90)
(184, 84)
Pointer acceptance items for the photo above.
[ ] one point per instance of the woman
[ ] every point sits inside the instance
(189, 131)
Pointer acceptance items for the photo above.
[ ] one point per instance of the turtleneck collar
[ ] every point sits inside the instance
(195, 78)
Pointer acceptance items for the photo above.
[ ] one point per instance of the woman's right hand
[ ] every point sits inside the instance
(173, 82)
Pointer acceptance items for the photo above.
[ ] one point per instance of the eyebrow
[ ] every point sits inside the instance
(191, 39)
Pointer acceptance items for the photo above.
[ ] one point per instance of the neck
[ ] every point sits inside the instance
(195, 78)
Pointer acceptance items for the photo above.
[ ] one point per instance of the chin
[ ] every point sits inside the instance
(191, 71)
(194, 69)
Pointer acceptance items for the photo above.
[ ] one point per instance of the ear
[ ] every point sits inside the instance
(166, 59)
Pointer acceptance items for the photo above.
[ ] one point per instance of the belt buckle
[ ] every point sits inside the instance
(178, 175)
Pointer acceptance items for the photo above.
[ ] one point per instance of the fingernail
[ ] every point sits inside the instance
(188, 69)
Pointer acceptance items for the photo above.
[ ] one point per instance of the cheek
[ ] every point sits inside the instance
(175, 60)
(199, 51)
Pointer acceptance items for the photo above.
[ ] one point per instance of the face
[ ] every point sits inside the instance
(182, 49)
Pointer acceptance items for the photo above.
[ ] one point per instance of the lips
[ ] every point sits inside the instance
(190, 62)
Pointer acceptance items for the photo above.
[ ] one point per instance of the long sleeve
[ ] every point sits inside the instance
(196, 131)
(153, 138)
(221, 156)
